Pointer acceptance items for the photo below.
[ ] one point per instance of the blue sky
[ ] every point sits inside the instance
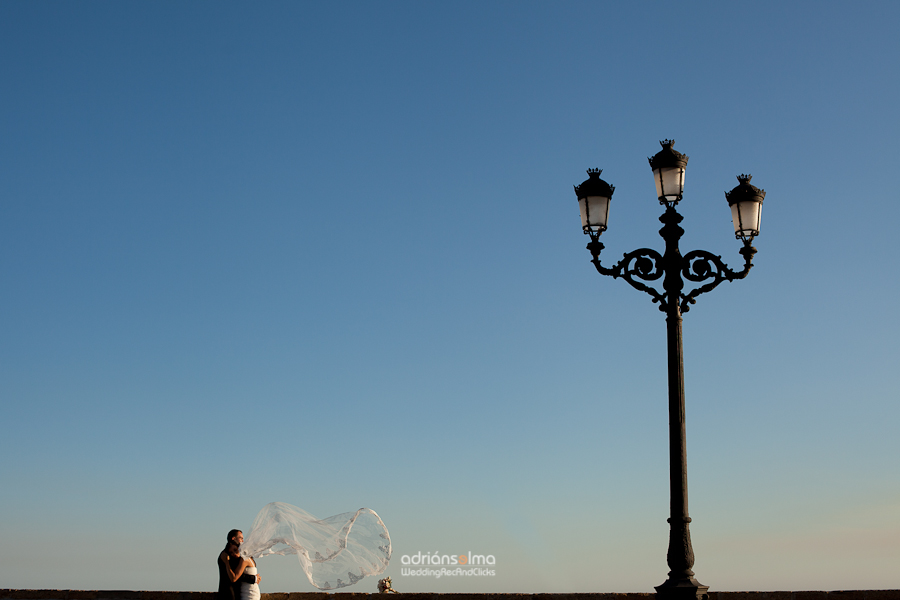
(329, 254)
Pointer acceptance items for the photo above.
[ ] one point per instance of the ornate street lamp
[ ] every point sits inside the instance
(697, 266)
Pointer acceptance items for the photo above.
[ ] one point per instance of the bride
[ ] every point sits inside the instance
(247, 566)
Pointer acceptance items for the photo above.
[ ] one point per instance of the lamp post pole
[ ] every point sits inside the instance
(697, 266)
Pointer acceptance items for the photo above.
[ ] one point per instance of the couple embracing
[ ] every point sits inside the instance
(238, 579)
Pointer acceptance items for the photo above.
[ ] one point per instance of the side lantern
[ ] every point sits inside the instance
(594, 195)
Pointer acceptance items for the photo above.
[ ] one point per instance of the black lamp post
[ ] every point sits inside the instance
(697, 266)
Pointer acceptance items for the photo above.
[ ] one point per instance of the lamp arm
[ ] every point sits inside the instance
(700, 265)
(643, 263)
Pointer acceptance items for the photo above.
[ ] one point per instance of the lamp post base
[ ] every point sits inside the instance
(684, 589)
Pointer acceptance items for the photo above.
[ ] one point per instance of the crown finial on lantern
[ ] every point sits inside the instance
(668, 157)
(745, 191)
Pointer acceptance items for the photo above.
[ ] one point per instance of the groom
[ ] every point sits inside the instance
(228, 560)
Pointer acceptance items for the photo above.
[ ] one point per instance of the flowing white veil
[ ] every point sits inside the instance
(334, 552)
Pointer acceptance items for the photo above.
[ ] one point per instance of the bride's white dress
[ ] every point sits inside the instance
(249, 591)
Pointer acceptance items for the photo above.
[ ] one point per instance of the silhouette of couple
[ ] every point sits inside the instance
(238, 579)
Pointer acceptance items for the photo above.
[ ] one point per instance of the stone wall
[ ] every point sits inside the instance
(6, 594)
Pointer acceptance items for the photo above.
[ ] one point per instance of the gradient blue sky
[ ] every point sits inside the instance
(329, 254)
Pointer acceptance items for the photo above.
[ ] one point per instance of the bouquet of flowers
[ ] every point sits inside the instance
(384, 586)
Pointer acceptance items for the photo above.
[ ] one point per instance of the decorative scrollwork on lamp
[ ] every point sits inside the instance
(700, 265)
(643, 263)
